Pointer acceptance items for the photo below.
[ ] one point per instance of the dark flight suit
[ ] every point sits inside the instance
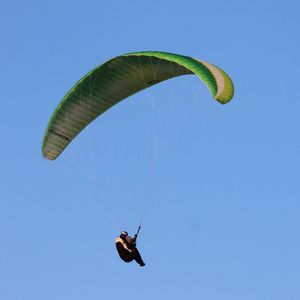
(127, 250)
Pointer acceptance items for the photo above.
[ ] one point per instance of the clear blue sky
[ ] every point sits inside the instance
(220, 184)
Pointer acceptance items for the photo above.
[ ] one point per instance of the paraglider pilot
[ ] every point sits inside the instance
(127, 250)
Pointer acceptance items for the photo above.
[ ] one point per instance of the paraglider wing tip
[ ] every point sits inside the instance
(49, 155)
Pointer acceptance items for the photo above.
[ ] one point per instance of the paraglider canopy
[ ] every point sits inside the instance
(117, 79)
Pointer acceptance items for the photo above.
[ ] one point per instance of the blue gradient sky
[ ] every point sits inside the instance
(217, 186)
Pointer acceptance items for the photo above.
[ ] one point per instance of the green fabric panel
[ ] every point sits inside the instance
(110, 83)
(195, 66)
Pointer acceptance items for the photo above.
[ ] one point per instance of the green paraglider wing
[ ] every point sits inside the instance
(118, 79)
